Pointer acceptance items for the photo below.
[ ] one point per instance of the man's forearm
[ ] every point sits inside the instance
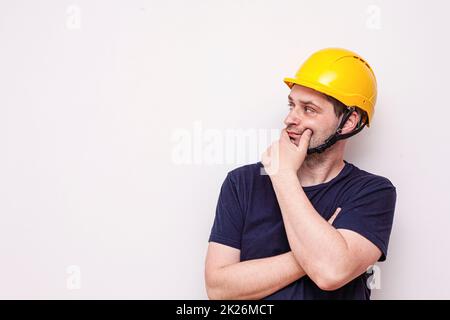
(317, 246)
(255, 279)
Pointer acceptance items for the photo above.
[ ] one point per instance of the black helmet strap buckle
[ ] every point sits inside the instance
(337, 135)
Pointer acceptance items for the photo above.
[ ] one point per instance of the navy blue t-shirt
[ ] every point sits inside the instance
(248, 218)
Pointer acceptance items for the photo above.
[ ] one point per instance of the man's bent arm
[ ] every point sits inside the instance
(251, 279)
(330, 257)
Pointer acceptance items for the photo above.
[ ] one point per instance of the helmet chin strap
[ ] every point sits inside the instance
(337, 135)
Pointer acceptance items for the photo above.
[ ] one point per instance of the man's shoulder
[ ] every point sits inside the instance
(365, 178)
(248, 170)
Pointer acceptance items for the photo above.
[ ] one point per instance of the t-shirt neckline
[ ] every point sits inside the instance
(344, 170)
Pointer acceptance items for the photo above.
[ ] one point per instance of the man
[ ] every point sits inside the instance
(312, 226)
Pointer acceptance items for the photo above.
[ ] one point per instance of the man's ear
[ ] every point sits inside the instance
(351, 123)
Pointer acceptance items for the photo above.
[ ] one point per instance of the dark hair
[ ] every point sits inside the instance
(339, 109)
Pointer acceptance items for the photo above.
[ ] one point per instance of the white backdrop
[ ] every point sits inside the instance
(120, 119)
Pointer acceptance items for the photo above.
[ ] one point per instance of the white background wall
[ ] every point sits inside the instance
(94, 95)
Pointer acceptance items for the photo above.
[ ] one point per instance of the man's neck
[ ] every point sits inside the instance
(320, 168)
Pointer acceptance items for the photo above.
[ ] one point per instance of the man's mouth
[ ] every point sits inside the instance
(293, 134)
(295, 137)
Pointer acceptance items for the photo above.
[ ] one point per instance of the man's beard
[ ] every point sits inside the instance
(318, 158)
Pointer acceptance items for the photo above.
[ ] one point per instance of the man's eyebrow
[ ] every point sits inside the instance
(305, 102)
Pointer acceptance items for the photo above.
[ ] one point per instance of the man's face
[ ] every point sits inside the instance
(309, 109)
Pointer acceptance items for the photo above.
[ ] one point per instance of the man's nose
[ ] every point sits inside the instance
(293, 118)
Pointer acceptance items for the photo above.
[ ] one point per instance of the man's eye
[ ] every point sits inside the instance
(308, 109)
(291, 106)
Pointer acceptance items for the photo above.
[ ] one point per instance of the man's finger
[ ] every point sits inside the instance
(265, 158)
(285, 135)
(331, 220)
(304, 139)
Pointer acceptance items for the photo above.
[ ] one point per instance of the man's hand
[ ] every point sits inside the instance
(283, 156)
(331, 220)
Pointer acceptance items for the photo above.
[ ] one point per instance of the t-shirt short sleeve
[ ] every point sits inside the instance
(229, 218)
(370, 211)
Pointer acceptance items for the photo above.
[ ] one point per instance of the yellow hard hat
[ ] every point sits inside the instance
(342, 74)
